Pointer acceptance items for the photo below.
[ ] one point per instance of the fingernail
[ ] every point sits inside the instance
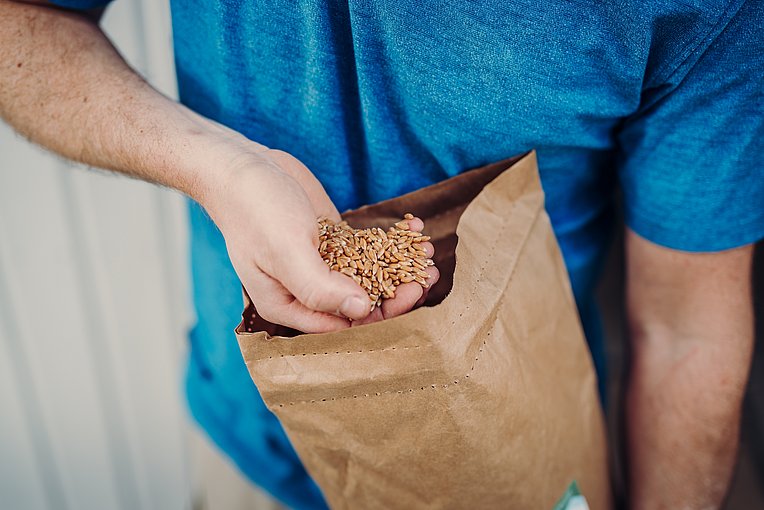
(353, 307)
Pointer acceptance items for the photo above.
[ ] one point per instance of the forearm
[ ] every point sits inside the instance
(691, 347)
(64, 86)
(683, 421)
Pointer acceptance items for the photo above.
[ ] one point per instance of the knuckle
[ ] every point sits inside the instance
(278, 156)
(269, 314)
(312, 297)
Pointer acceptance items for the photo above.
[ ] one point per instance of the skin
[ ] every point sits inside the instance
(691, 329)
(65, 87)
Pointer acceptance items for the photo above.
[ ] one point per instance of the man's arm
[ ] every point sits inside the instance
(64, 86)
(691, 331)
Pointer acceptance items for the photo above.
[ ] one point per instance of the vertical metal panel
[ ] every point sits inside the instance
(95, 296)
(42, 285)
(27, 479)
(93, 316)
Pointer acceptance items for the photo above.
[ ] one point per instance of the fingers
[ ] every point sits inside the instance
(434, 276)
(415, 224)
(374, 316)
(310, 280)
(406, 296)
(297, 316)
(429, 249)
(276, 304)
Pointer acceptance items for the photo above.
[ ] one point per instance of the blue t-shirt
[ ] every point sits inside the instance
(382, 97)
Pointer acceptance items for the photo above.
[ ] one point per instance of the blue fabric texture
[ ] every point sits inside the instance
(382, 97)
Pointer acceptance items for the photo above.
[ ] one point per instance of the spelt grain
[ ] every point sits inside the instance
(378, 260)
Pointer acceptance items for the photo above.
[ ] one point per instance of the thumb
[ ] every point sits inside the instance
(309, 279)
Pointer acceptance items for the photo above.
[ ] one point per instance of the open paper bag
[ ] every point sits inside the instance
(485, 398)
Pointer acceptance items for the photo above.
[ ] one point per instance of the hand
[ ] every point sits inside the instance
(266, 205)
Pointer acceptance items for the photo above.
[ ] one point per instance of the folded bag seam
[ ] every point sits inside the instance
(330, 353)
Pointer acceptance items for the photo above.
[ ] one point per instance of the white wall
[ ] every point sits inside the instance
(93, 315)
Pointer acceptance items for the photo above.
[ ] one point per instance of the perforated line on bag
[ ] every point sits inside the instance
(330, 353)
(480, 349)
(399, 392)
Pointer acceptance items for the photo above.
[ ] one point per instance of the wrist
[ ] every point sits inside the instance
(212, 153)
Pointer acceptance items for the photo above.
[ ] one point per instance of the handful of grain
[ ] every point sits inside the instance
(378, 261)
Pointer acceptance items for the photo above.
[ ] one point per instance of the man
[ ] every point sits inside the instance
(378, 98)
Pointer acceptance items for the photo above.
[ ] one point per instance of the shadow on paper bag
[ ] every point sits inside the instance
(484, 398)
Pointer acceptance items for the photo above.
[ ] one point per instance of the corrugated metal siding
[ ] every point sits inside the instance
(93, 316)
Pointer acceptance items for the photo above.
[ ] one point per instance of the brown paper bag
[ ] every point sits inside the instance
(485, 400)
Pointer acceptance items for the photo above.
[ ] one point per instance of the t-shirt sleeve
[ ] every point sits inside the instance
(691, 160)
(81, 4)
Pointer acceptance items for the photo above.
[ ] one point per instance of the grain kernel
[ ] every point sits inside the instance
(376, 259)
